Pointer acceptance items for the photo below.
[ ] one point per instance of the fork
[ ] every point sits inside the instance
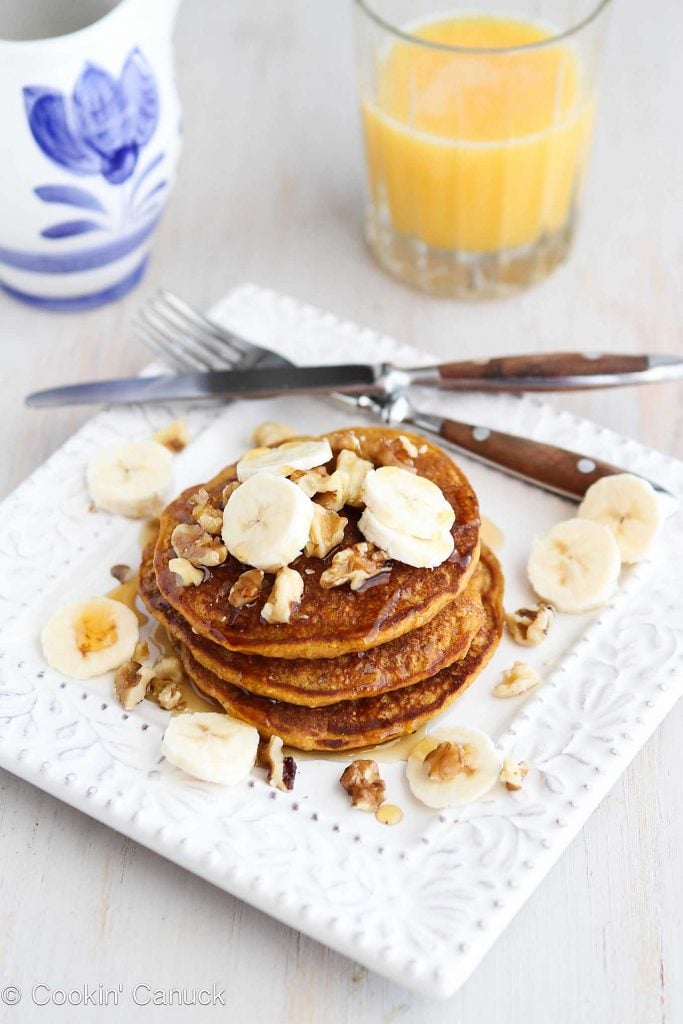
(189, 340)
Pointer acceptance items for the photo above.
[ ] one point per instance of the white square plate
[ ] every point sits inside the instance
(420, 902)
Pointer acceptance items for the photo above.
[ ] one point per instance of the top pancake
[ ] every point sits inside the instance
(329, 623)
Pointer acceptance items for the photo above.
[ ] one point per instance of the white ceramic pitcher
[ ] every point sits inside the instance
(89, 142)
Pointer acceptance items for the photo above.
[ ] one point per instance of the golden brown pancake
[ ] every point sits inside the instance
(314, 683)
(332, 622)
(358, 723)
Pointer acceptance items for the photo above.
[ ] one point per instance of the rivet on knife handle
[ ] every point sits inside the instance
(565, 472)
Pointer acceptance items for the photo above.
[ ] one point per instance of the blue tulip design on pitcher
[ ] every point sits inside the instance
(101, 129)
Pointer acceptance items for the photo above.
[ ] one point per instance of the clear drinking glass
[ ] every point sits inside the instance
(477, 126)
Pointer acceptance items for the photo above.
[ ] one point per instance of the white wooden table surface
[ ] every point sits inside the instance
(269, 192)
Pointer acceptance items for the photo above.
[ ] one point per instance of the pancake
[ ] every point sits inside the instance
(359, 723)
(314, 683)
(329, 623)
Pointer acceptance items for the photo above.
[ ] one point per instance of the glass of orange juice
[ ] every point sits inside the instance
(477, 126)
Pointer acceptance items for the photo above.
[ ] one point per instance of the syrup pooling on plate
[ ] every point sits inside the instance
(159, 642)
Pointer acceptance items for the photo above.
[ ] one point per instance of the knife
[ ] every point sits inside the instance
(558, 371)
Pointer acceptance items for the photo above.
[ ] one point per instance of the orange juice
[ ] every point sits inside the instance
(477, 150)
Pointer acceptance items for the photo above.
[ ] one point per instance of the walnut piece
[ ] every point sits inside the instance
(169, 696)
(207, 515)
(281, 768)
(517, 680)
(448, 760)
(141, 652)
(355, 565)
(408, 446)
(355, 471)
(362, 782)
(530, 626)
(228, 490)
(186, 572)
(168, 668)
(130, 683)
(284, 597)
(269, 434)
(328, 490)
(394, 453)
(513, 773)
(120, 572)
(174, 436)
(246, 588)
(197, 546)
(346, 440)
(327, 531)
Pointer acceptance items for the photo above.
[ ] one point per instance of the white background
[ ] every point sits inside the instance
(269, 192)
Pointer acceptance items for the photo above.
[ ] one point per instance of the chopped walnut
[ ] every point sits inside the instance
(228, 490)
(174, 436)
(530, 626)
(207, 515)
(362, 782)
(169, 696)
(345, 441)
(197, 546)
(394, 454)
(168, 668)
(408, 446)
(281, 768)
(120, 572)
(328, 490)
(327, 531)
(355, 565)
(268, 434)
(284, 597)
(141, 652)
(447, 760)
(513, 773)
(130, 683)
(246, 588)
(354, 470)
(186, 572)
(517, 680)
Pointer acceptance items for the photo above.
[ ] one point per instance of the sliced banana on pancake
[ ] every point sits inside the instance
(285, 459)
(452, 766)
(267, 522)
(407, 503)
(88, 638)
(404, 547)
(131, 478)
(628, 506)
(575, 565)
(211, 746)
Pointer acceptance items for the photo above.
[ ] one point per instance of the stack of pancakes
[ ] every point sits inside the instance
(350, 668)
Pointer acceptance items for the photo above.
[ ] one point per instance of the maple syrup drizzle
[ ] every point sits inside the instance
(160, 645)
(389, 814)
(491, 534)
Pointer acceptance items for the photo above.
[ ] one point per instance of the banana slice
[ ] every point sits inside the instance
(404, 547)
(575, 565)
(131, 478)
(450, 767)
(284, 459)
(211, 746)
(267, 521)
(89, 638)
(407, 503)
(629, 507)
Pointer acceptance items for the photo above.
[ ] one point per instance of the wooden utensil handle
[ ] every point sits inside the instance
(552, 372)
(557, 469)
